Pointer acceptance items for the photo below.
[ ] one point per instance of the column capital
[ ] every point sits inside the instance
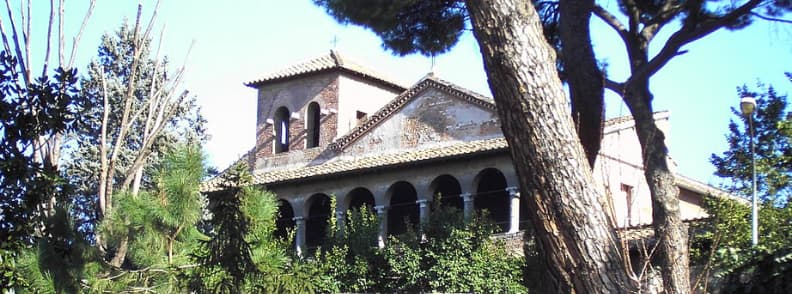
(381, 208)
(513, 191)
(422, 202)
(467, 197)
(298, 219)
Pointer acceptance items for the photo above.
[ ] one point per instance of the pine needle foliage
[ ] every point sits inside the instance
(241, 253)
(161, 225)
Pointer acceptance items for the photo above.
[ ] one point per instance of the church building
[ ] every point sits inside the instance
(329, 127)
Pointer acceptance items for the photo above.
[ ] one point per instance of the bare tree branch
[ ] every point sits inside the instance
(50, 22)
(61, 39)
(18, 51)
(611, 21)
(26, 20)
(76, 41)
(770, 18)
(137, 43)
(103, 143)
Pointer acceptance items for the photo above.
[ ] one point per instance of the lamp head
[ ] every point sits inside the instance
(747, 105)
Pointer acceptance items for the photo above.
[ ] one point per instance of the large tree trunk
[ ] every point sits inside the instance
(586, 83)
(670, 231)
(574, 230)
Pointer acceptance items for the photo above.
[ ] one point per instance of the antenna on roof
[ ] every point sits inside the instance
(433, 68)
(334, 41)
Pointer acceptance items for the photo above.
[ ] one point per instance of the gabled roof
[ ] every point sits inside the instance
(403, 99)
(329, 62)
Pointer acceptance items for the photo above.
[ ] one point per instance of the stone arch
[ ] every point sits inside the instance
(448, 189)
(318, 208)
(281, 126)
(285, 220)
(360, 197)
(312, 125)
(402, 206)
(491, 195)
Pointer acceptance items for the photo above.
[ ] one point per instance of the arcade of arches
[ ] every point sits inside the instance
(403, 204)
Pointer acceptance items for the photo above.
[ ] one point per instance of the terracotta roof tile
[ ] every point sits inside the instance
(323, 63)
(377, 161)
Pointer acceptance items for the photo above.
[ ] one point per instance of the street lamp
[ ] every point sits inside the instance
(748, 106)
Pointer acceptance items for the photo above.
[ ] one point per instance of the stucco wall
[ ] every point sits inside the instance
(431, 119)
(620, 163)
(358, 95)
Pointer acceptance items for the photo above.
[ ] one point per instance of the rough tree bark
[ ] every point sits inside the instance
(670, 231)
(586, 82)
(574, 231)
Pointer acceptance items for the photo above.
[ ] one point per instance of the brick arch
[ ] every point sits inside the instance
(281, 124)
(313, 122)
(402, 204)
(491, 195)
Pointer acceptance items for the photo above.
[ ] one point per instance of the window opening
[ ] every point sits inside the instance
(281, 130)
(312, 125)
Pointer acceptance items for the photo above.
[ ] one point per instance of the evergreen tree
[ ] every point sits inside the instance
(241, 253)
(772, 124)
(728, 231)
(109, 78)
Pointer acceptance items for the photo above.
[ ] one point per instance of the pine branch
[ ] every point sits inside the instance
(612, 21)
(690, 31)
(770, 18)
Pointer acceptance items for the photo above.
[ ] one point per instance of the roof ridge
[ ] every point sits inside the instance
(330, 61)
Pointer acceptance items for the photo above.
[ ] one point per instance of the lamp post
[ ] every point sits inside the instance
(747, 107)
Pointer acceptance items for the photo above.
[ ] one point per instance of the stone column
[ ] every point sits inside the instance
(340, 222)
(467, 199)
(423, 206)
(299, 235)
(514, 215)
(382, 215)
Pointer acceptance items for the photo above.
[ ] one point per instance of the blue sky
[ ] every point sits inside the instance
(238, 41)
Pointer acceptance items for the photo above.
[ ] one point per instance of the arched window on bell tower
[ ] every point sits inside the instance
(312, 124)
(282, 130)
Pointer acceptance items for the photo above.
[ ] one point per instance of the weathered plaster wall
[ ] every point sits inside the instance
(431, 119)
(355, 95)
(620, 163)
